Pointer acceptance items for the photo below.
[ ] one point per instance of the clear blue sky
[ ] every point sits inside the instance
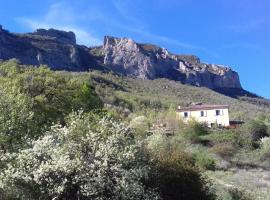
(228, 32)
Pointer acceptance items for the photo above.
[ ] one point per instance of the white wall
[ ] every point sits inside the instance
(210, 116)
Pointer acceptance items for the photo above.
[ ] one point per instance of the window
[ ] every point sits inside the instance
(217, 112)
(185, 114)
(202, 114)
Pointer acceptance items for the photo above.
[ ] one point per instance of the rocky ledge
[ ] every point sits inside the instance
(58, 50)
(147, 61)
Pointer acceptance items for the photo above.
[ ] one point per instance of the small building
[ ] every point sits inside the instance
(210, 114)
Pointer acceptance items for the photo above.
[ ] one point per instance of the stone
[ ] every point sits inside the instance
(146, 61)
(58, 50)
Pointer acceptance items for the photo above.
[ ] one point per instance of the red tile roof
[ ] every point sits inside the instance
(202, 107)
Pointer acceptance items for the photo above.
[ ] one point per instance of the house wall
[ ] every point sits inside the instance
(209, 117)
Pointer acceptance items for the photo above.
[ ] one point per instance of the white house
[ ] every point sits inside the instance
(210, 114)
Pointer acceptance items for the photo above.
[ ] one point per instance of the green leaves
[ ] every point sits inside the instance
(16, 117)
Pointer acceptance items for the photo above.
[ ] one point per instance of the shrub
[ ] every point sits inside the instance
(265, 148)
(194, 130)
(224, 150)
(238, 194)
(16, 117)
(243, 139)
(176, 176)
(87, 159)
(257, 129)
(140, 124)
(204, 161)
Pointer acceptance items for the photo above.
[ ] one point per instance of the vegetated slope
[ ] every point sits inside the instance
(140, 95)
(58, 142)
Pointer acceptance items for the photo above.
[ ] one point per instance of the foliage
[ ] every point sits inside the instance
(159, 94)
(238, 194)
(140, 124)
(194, 130)
(204, 161)
(257, 129)
(265, 148)
(90, 156)
(87, 159)
(16, 117)
(39, 97)
(225, 150)
(175, 175)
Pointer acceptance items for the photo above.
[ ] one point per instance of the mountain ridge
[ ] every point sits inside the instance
(58, 50)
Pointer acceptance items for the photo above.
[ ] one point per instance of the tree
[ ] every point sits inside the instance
(87, 159)
(16, 117)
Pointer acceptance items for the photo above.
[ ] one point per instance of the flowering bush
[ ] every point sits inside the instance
(86, 159)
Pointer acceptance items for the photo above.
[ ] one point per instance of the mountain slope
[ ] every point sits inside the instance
(156, 95)
(58, 50)
(145, 61)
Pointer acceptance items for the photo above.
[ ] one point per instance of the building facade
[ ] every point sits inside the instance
(211, 114)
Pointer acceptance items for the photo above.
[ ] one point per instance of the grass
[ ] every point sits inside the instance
(160, 94)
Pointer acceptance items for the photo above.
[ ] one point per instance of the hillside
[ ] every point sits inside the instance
(157, 95)
(58, 50)
(67, 130)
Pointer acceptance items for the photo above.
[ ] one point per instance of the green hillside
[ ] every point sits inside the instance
(141, 95)
(97, 135)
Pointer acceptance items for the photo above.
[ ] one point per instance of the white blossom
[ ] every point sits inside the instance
(97, 161)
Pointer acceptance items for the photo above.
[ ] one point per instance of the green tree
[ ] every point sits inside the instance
(16, 117)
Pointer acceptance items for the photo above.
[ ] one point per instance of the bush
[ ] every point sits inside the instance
(238, 194)
(88, 159)
(265, 148)
(176, 176)
(250, 134)
(257, 129)
(204, 161)
(194, 130)
(224, 150)
(140, 124)
(16, 118)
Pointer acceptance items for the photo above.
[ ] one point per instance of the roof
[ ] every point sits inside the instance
(202, 107)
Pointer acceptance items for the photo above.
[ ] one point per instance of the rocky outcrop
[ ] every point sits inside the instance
(148, 61)
(61, 36)
(58, 50)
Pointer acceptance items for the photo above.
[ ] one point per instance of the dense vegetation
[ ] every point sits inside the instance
(98, 135)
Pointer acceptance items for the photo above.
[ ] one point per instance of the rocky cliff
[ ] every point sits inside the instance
(148, 61)
(58, 50)
(54, 48)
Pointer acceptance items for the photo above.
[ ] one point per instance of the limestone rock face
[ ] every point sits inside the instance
(58, 50)
(61, 36)
(148, 61)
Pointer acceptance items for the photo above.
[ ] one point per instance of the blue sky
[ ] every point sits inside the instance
(229, 32)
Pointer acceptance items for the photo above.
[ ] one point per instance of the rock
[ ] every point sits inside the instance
(147, 61)
(58, 50)
(61, 36)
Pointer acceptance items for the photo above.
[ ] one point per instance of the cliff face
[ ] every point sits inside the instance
(149, 62)
(54, 48)
(58, 50)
